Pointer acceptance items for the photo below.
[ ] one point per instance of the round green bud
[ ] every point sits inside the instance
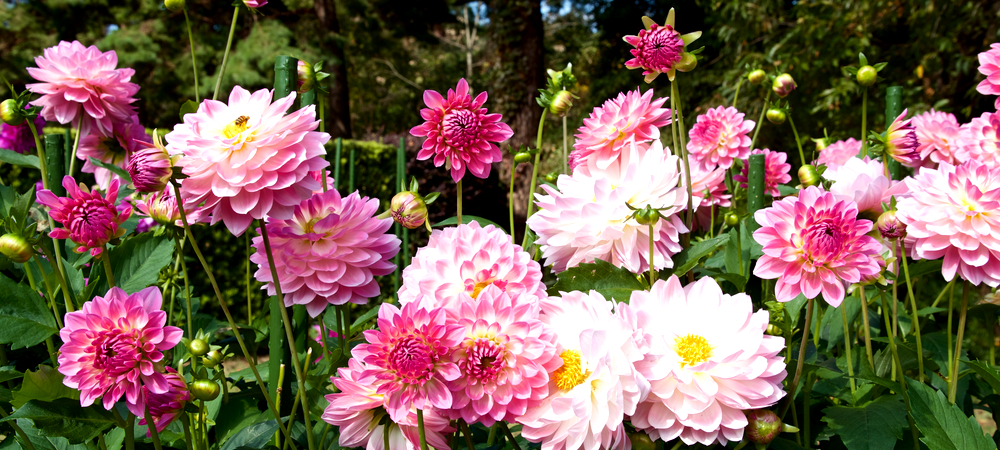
(174, 5)
(10, 113)
(213, 358)
(551, 177)
(522, 157)
(561, 103)
(198, 347)
(867, 76)
(776, 116)
(757, 77)
(773, 330)
(647, 216)
(808, 175)
(732, 219)
(206, 390)
(15, 248)
(641, 441)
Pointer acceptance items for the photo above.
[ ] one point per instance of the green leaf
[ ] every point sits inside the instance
(136, 263)
(42, 441)
(612, 282)
(247, 374)
(114, 168)
(925, 267)
(688, 258)
(363, 320)
(65, 418)
(12, 157)
(45, 385)
(188, 107)
(832, 328)
(944, 426)
(24, 318)
(236, 415)
(115, 438)
(877, 425)
(254, 436)
(987, 373)
(468, 219)
(8, 373)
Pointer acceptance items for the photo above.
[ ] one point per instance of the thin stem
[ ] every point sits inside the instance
(187, 430)
(130, 432)
(194, 64)
(385, 432)
(902, 378)
(947, 288)
(76, 146)
(465, 432)
(289, 335)
(31, 282)
(739, 247)
(152, 428)
(225, 56)
(534, 173)
(864, 129)
(420, 429)
(682, 149)
(736, 96)
(100, 442)
(322, 343)
(41, 153)
(802, 155)
(951, 349)
(18, 430)
(510, 203)
(895, 289)
(801, 359)
(847, 348)
(187, 286)
(652, 273)
(106, 259)
(565, 161)
(806, 398)
(67, 297)
(760, 120)
(864, 321)
(953, 380)
(249, 303)
(510, 437)
(458, 212)
(913, 304)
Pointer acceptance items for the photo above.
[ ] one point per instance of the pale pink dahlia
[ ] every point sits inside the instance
(838, 153)
(954, 213)
(596, 385)
(126, 139)
(719, 136)
(465, 260)
(167, 406)
(248, 159)
(328, 253)
(709, 189)
(981, 140)
(89, 219)
(989, 65)
(776, 171)
(83, 86)
(111, 347)
(813, 244)
(358, 410)
(459, 131)
(863, 181)
(505, 357)
(587, 217)
(937, 137)
(901, 141)
(708, 360)
(657, 50)
(409, 358)
(18, 138)
(606, 135)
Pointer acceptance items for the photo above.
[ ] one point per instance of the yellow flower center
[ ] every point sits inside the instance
(480, 286)
(693, 349)
(571, 373)
(236, 127)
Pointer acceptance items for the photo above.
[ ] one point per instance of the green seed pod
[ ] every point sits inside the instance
(732, 219)
(10, 113)
(808, 175)
(522, 157)
(867, 76)
(15, 248)
(198, 347)
(776, 116)
(174, 5)
(206, 390)
(757, 77)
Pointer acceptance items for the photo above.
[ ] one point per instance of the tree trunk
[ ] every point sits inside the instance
(338, 115)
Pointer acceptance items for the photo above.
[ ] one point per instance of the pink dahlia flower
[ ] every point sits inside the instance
(838, 153)
(657, 50)
(465, 260)
(409, 355)
(776, 171)
(83, 86)
(329, 252)
(863, 181)
(951, 213)
(606, 135)
(167, 406)
(989, 65)
(248, 159)
(981, 140)
(901, 141)
(813, 244)
(111, 347)
(708, 360)
(709, 190)
(149, 167)
(145, 224)
(587, 217)
(18, 138)
(253, 4)
(459, 131)
(318, 176)
(505, 357)
(358, 409)
(937, 137)
(719, 136)
(596, 385)
(89, 219)
(126, 139)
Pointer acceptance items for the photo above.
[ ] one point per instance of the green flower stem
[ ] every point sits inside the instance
(806, 397)
(186, 422)
(225, 310)
(152, 428)
(225, 56)
(326, 353)
(169, 291)
(194, 64)
(899, 371)
(187, 288)
(760, 120)
(106, 260)
(129, 432)
(739, 247)
(465, 432)
(736, 96)
(913, 304)
(458, 212)
(847, 348)
(565, 161)
(247, 240)
(800, 361)
(682, 150)
(345, 328)
(510, 437)
(864, 132)
(322, 438)
(864, 321)
(534, 173)
(59, 276)
(802, 155)
(289, 335)
(41, 153)
(18, 430)
(492, 437)
(652, 273)
(951, 349)
(510, 203)
(953, 378)
(385, 430)
(673, 123)
(52, 300)
(420, 429)
(76, 146)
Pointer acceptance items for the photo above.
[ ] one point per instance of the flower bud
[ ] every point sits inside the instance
(808, 175)
(15, 248)
(647, 216)
(561, 103)
(867, 76)
(551, 177)
(149, 168)
(773, 330)
(821, 143)
(254, 3)
(783, 85)
(522, 157)
(764, 426)
(213, 358)
(776, 116)
(890, 227)
(307, 77)
(206, 390)
(732, 219)
(161, 207)
(198, 347)
(10, 113)
(687, 63)
(174, 5)
(757, 77)
(408, 209)
(640, 440)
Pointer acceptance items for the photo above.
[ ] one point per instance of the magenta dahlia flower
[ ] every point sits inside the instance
(409, 355)
(719, 136)
(505, 357)
(863, 181)
(708, 360)
(776, 171)
(111, 347)
(166, 406)
(813, 244)
(329, 252)
(89, 219)
(83, 86)
(18, 138)
(901, 141)
(149, 167)
(980, 140)
(248, 159)
(657, 50)
(989, 65)
(465, 260)
(951, 213)
(460, 132)
(838, 153)
(253, 4)
(606, 135)
(937, 137)
(587, 217)
(358, 409)
(126, 139)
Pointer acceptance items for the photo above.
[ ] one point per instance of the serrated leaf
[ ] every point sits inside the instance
(688, 258)
(12, 157)
(24, 318)
(944, 426)
(877, 425)
(65, 418)
(45, 384)
(136, 263)
(612, 282)
(987, 373)
(8, 373)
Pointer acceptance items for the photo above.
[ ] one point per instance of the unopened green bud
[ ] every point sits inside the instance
(307, 77)
(821, 143)
(732, 219)
(757, 77)
(206, 390)
(10, 113)
(783, 85)
(15, 248)
(198, 347)
(408, 209)
(808, 175)
(213, 358)
(551, 177)
(174, 5)
(867, 76)
(776, 116)
(561, 103)
(764, 426)
(773, 330)
(522, 157)
(647, 216)
(687, 63)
